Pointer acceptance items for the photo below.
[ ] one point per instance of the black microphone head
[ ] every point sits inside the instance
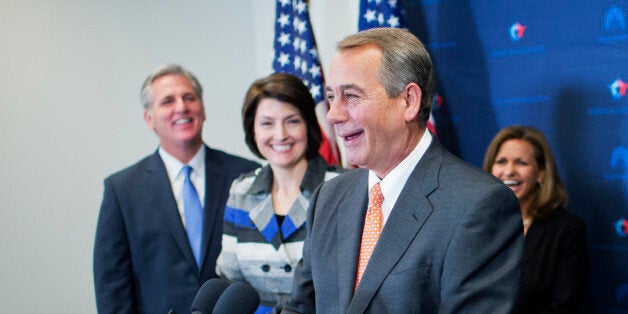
(208, 295)
(238, 298)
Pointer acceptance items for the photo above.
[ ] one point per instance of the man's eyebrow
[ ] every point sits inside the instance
(345, 87)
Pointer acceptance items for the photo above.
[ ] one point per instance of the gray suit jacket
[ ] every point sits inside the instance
(452, 244)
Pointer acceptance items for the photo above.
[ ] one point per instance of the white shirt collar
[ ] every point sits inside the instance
(197, 176)
(396, 179)
(174, 165)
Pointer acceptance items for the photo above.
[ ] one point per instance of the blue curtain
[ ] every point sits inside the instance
(560, 66)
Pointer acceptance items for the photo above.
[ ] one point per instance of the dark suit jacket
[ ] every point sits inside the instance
(555, 266)
(453, 244)
(143, 262)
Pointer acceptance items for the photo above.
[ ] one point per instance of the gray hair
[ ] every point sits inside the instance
(146, 94)
(405, 60)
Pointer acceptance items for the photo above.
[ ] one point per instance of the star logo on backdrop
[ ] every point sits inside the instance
(618, 89)
(516, 31)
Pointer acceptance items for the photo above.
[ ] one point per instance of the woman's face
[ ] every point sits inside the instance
(280, 133)
(516, 166)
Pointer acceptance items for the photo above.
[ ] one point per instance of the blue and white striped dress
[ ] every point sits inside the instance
(255, 248)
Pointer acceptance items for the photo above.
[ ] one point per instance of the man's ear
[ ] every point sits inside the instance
(412, 96)
(148, 119)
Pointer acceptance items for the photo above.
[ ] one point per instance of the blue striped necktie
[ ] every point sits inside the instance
(193, 212)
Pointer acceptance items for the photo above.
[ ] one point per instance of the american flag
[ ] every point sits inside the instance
(386, 13)
(296, 53)
(381, 13)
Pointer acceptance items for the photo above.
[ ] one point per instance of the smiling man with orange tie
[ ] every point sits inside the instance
(447, 236)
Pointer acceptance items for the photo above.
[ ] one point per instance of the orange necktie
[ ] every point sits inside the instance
(372, 229)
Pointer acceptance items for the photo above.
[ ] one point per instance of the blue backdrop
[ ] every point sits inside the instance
(561, 66)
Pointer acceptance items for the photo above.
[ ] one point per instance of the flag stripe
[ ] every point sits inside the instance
(296, 53)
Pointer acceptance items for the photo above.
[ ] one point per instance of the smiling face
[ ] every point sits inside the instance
(378, 131)
(280, 133)
(176, 113)
(516, 166)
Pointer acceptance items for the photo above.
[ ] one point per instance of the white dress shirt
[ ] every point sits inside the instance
(396, 179)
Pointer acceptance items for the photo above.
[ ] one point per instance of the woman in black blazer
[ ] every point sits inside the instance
(555, 260)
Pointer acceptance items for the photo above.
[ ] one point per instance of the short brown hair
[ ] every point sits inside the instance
(551, 194)
(287, 88)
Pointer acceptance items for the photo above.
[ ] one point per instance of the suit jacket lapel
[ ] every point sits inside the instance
(351, 209)
(164, 200)
(214, 185)
(263, 214)
(409, 213)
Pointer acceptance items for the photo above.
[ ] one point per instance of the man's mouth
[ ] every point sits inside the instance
(352, 136)
(182, 121)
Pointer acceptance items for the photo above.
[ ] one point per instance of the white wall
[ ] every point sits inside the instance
(70, 73)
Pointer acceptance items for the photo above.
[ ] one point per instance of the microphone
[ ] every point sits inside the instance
(238, 298)
(208, 295)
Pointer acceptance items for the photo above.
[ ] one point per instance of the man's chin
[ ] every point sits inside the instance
(355, 163)
(191, 141)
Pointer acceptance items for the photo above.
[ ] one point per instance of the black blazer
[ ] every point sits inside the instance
(143, 262)
(555, 266)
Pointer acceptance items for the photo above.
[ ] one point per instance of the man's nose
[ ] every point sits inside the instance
(336, 113)
(180, 105)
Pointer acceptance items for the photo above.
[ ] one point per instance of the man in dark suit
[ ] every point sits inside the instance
(448, 236)
(150, 255)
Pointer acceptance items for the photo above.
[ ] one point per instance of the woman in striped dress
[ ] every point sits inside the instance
(264, 222)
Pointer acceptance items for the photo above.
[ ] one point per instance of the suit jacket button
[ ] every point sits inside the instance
(265, 268)
(287, 268)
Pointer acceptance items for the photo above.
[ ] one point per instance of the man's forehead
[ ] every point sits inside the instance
(172, 80)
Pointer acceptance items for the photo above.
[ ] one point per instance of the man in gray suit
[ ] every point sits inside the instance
(451, 237)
